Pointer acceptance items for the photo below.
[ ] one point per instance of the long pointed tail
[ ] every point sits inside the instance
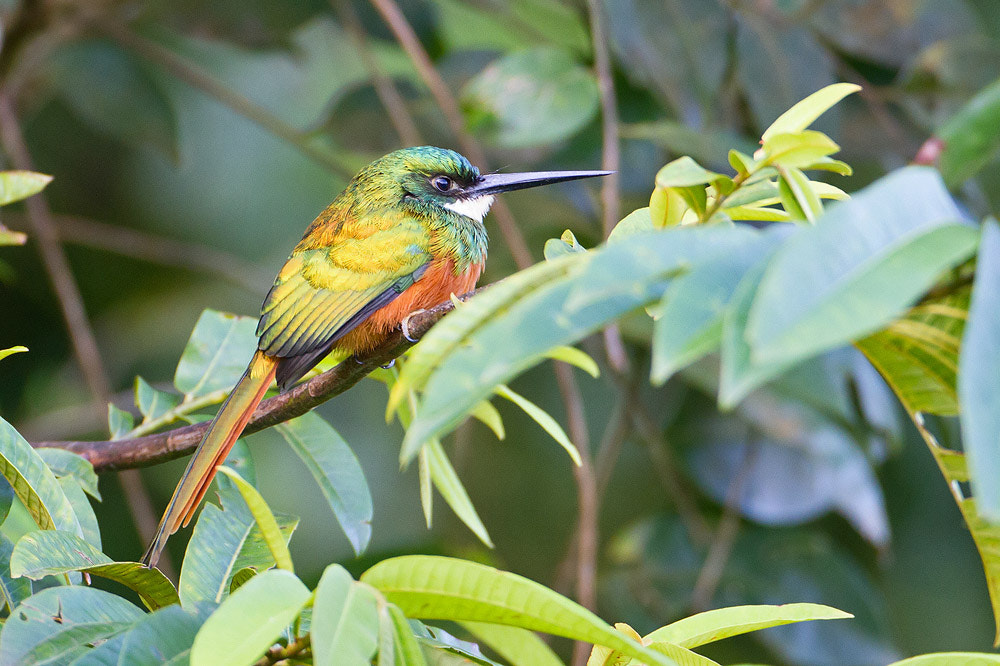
(222, 433)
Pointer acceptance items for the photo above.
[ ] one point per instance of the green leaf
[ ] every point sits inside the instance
(565, 244)
(795, 186)
(109, 90)
(264, 518)
(18, 185)
(250, 621)
(685, 172)
(408, 649)
(50, 553)
(4, 353)
(241, 577)
(487, 414)
(8, 237)
(805, 113)
(715, 625)
(162, 637)
(344, 621)
(12, 590)
(34, 484)
(223, 542)
(446, 480)
(918, 354)
(951, 659)
(433, 587)
(575, 357)
(66, 463)
(59, 624)
(337, 471)
(970, 139)
(530, 98)
(542, 418)
(689, 318)
(153, 403)
(83, 510)
(519, 647)
(216, 354)
(120, 422)
(637, 222)
(796, 150)
(901, 238)
(979, 377)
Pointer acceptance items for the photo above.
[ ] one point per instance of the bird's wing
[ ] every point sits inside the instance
(322, 294)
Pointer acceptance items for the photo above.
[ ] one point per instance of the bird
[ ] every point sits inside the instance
(405, 234)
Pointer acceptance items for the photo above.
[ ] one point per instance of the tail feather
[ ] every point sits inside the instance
(222, 433)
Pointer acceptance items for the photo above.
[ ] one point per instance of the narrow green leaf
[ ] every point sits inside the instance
(34, 484)
(66, 463)
(407, 647)
(386, 636)
(805, 113)
(542, 418)
(59, 624)
(250, 621)
(153, 403)
(742, 163)
(951, 659)
(120, 422)
(4, 353)
(216, 354)
(487, 414)
(426, 486)
(684, 172)
(757, 214)
(345, 625)
(265, 520)
(801, 190)
(8, 237)
(223, 542)
(575, 357)
(902, 238)
(18, 185)
(714, 625)
(337, 471)
(50, 553)
(446, 480)
(519, 647)
(444, 588)
(797, 150)
(979, 377)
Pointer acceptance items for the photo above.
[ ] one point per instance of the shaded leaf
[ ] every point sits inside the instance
(542, 418)
(241, 577)
(49, 552)
(250, 621)
(162, 637)
(120, 422)
(265, 520)
(446, 480)
(216, 354)
(970, 139)
(66, 463)
(519, 647)
(153, 403)
(344, 621)
(82, 509)
(12, 590)
(337, 471)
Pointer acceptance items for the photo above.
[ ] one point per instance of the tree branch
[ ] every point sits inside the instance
(154, 449)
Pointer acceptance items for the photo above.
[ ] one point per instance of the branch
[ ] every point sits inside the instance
(154, 449)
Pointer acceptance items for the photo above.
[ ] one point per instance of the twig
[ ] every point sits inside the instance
(153, 449)
(387, 93)
(157, 249)
(407, 38)
(279, 654)
(197, 78)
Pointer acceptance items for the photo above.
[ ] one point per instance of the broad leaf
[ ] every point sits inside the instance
(49, 552)
(17, 185)
(970, 139)
(66, 463)
(979, 377)
(265, 520)
(250, 621)
(805, 113)
(153, 403)
(444, 588)
(216, 354)
(684, 172)
(83, 510)
(62, 623)
(337, 471)
(120, 422)
(12, 590)
(34, 484)
(344, 621)
(161, 637)
(519, 647)
(897, 234)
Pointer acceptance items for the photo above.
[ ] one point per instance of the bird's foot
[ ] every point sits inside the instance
(356, 359)
(388, 365)
(405, 325)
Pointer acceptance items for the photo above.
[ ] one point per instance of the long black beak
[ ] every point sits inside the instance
(495, 183)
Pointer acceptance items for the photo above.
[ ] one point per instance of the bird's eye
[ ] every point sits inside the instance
(442, 183)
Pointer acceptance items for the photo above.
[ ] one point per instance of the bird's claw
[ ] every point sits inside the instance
(388, 365)
(405, 325)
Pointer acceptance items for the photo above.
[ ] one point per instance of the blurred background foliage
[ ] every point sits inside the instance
(191, 143)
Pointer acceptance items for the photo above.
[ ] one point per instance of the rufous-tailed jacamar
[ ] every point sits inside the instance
(405, 234)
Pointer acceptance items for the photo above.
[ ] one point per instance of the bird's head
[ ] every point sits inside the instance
(431, 179)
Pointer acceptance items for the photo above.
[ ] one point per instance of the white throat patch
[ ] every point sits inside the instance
(474, 209)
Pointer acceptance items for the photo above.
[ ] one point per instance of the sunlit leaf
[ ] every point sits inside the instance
(344, 621)
(684, 172)
(17, 185)
(951, 659)
(51, 552)
(804, 113)
(265, 520)
(407, 646)
(796, 150)
(443, 588)
(216, 354)
(4, 353)
(542, 418)
(250, 621)
(337, 471)
(519, 647)
(487, 414)
(799, 189)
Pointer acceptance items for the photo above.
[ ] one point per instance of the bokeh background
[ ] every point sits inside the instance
(171, 196)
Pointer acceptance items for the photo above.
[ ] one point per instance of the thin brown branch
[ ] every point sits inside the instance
(157, 249)
(282, 654)
(153, 449)
(387, 93)
(197, 78)
(448, 105)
